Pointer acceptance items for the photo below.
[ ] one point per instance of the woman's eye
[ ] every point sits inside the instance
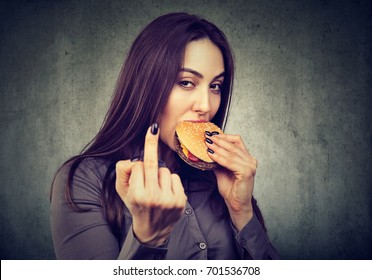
(216, 88)
(186, 84)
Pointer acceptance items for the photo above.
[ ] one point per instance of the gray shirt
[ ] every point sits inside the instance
(202, 233)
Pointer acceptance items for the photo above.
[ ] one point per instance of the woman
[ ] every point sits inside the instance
(128, 195)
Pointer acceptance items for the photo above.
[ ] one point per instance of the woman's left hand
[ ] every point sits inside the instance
(235, 177)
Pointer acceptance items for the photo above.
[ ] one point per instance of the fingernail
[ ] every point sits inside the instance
(210, 151)
(154, 128)
(208, 133)
(215, 133)
(136, 159)
(209, 141)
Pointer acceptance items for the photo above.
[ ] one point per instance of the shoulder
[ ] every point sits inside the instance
(93, 168)
(87, 177)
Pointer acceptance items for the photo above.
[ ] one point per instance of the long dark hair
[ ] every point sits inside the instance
(142, 90)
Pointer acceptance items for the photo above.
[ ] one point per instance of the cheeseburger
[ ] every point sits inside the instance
(189, 142)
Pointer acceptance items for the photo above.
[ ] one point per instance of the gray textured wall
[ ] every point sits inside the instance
(302, 104)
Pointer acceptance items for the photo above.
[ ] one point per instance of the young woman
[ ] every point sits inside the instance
(128, 195)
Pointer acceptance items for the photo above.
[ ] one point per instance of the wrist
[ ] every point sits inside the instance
(154, 239)
(241, 218)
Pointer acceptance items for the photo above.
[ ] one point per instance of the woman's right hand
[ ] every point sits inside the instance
(155, 197)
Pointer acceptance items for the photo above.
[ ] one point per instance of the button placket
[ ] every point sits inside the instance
(242, 242)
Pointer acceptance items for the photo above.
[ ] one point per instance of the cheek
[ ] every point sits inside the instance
(215, 104)
(164, 127)
(167, 135)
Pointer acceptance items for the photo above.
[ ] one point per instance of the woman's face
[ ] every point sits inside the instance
(197, 92)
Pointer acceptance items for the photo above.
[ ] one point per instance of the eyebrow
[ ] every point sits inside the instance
(196, 73)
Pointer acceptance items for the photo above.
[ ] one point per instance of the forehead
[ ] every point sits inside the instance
(204, 57)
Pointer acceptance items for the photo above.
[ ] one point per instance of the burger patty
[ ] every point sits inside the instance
(191, 159)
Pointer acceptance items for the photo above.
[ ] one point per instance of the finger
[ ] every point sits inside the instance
(232, 158)
(227, 159)
(150, 159)
(137, 177)
(226, 148)
(235, 139)
(123, 171)
(165, 180)
(136, 191)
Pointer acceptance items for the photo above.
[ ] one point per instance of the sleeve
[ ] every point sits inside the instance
(87, 234)
(253, 242)
(134, 250)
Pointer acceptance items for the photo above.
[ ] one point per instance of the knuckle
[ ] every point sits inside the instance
(151, 140)
(235, 137)
(163, 171)
(175, 178)
(151, 163)
(138, 165)
(121, 164)
(251, 173)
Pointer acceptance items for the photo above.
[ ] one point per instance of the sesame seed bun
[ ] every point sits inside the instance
(190, 138)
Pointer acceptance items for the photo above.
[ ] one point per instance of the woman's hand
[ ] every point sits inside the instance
(236, 177)
(155, 197)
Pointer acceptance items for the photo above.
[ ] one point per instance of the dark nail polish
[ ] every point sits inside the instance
(210, 151)
(215, 133)
(154, 128)
(208, 141)
(208, 133)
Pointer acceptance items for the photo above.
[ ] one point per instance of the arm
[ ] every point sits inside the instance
(154, 197)
(134, 250)
(253, 242)
(87, 234)
(235, 180)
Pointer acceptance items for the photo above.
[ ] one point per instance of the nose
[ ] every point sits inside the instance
(202, 103)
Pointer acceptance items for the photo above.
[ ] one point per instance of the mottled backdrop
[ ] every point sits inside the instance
(302, 104)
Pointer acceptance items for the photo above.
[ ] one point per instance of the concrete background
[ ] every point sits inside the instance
(302, 104)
